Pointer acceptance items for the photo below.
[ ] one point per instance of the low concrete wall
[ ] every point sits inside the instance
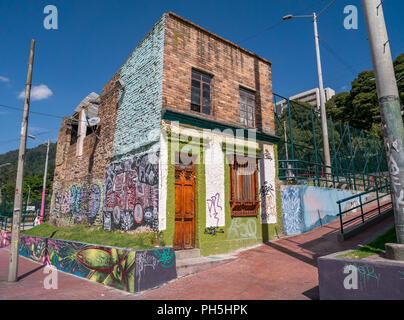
(125, 269)
(364, 279)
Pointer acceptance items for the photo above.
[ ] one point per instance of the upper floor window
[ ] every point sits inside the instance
(247, 108)
(201, 100)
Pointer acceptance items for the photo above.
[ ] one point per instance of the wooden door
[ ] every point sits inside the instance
(184, 235)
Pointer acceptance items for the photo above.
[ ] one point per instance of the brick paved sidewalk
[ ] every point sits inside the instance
(282, 269)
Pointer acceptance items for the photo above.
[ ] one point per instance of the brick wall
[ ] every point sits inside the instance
(188, 46)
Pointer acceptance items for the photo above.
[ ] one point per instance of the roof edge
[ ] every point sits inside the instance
(170, 13)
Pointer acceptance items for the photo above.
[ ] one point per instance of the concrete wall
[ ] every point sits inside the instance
(363, 279)
(124, 269)
(305, 207)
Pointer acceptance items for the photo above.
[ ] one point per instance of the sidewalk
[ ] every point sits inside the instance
(282, 269)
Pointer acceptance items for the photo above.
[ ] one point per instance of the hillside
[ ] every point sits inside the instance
(33, 172)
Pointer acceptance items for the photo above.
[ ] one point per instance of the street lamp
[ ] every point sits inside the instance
(327, 158)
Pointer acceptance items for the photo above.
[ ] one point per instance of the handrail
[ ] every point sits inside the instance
(363, 193)
(361, 205)
(326, 166)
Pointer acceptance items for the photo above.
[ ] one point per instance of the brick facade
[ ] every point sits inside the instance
(189, 46)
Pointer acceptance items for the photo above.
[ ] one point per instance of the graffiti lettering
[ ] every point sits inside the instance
(213, 206)
(213, 230)
(366, 273)
(239, 229)
(79, 204)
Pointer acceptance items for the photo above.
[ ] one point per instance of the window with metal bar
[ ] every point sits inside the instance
(243, 187)
(201, 100)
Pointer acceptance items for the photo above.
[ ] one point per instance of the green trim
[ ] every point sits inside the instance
(237, 148)
(171, 115)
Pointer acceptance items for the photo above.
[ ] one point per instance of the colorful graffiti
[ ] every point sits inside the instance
(124, 269)
(110, 266)
(33, 248)
(79, 204)
(131, 194)
(305, 207)
(5, 238)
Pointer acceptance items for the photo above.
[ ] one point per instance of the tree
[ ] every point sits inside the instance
(360, 107)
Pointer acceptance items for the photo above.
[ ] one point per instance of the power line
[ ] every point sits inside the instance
(279, 23)
(34, 112)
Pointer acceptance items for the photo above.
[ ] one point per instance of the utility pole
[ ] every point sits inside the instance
(44, 183)
(389, 101)
(324, 126)
(15, 234)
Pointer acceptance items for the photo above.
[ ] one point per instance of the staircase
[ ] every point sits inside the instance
(190, 261)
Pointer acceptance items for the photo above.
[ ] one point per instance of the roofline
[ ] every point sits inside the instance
(170, 13)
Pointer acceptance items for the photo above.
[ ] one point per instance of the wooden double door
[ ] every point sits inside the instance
(184, 234)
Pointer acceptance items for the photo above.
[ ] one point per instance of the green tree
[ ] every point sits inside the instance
(360, 107)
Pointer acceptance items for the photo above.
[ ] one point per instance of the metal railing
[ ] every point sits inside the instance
(364, 215)
(27, 220)
(320, 175)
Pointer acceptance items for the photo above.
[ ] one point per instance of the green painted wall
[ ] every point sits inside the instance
(238, 232)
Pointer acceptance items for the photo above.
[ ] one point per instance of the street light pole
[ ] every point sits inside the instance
(324, 126)
(44, 183)
(389, 101)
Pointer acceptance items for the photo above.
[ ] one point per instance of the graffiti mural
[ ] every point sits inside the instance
(131, 195)
(293, 222)
(112, 267)
(79, 203)
(305, 207)
(33, 248)
(5, 238)
(125, 269)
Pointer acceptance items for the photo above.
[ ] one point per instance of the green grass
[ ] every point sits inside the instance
(374, 247)
(95, 235)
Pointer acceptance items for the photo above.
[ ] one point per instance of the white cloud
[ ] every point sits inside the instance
(40, 92)
(4, 79)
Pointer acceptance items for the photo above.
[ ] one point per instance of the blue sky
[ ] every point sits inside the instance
(95, 37)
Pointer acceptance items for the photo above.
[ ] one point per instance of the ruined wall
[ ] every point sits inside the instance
(188, 46)
(77, 189)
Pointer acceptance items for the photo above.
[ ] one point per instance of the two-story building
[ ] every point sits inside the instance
(184, 145)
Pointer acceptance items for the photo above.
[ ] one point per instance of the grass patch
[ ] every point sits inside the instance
(374, 247)
(95, 235)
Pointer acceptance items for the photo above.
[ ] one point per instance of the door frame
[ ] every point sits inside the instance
(179, 166)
